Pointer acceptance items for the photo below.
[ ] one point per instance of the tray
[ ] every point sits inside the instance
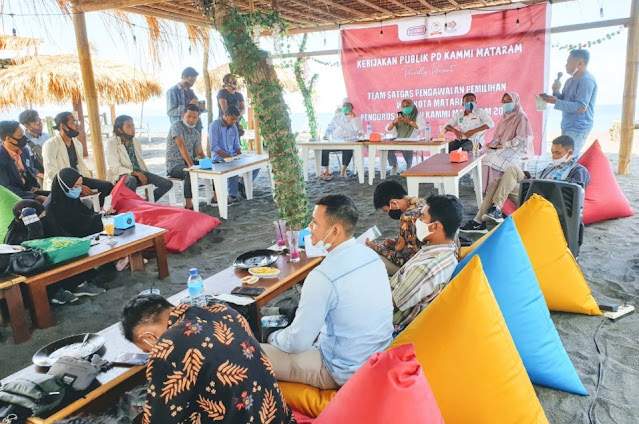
(255, 258)
(49, 354)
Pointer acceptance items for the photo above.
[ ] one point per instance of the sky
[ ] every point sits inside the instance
(111, 41)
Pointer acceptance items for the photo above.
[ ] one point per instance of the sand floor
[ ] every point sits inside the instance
(609, 260)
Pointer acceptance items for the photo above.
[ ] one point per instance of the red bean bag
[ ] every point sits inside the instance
(604, 199)
(301, 418)
(185, 227)
(389, 388)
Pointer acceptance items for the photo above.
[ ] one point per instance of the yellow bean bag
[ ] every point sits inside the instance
(469, 357)
(559, 276)
(306, 399)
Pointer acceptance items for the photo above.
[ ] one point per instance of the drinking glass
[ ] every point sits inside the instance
(294, 245)
(280, 232)
(442, 131)
(109, 228)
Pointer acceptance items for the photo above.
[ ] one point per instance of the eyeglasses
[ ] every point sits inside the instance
(38, 122)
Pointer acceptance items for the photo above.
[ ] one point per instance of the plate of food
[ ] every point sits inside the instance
(264, 272)
(78, 346)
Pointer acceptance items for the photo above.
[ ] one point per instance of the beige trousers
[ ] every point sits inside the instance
(504, 187)
(306, 367)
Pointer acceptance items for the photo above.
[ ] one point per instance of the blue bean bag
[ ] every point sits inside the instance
(522, 303)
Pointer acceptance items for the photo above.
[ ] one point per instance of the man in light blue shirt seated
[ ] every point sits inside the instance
(577, 100)
(346, 308)
(224, 140)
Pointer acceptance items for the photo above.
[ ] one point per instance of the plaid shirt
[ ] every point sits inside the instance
(418, 282)
(406, 244)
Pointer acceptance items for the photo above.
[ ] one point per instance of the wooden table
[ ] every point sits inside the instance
(433, 147)
(356, 146)
(219, 174)
(130, 243)
(439, 170)
(10, 291)
(119, 378)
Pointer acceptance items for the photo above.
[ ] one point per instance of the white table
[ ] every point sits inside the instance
(356, 146)
(433, 147)
(444, 174)
(219, 174)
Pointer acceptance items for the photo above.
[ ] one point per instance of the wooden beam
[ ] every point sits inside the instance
(454, 3)
(590, 25)
(374, 6)
(307, 54)
(313, 28)
(346, 8)
(410, 9)
(142, 10)
(629, 91)
(90, 92)
(100, 5)
(428, 5)
(306, 6)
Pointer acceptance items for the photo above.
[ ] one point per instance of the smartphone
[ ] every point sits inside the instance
(400, 113)
(248, 291)
(128, 358)
(543, 95)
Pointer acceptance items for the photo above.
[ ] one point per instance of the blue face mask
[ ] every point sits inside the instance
(508, 107)
(74, 193)
(470, 105)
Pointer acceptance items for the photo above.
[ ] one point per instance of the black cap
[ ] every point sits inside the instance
(189, 72)
(232, 111)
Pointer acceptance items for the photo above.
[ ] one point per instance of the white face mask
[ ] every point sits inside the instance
(575, 71)
(564, 159)
(323, 246)
(188, 125)
(422, 230)
(151, 345)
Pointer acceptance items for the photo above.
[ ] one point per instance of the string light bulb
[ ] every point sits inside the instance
(445, 22)
(517, 22)
(13, 30)
(381, 30)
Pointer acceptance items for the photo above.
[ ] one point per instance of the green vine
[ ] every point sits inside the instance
(255, 66)
(306, 88)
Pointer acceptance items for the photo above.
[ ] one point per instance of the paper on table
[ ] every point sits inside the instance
(311, 251)
(372, 233)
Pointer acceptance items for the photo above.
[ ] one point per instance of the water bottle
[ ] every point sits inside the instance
(329, 133)
(369, 130)
(427, 131)
(195, 285)
(274, 321)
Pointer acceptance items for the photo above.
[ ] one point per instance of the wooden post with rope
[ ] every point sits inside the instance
(629, 91)
(91, 95)
(207, 87)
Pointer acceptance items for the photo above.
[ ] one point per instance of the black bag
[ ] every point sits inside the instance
(40, 393)
(28, 262)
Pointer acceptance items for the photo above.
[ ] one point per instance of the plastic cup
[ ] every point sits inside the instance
(149, 291)
(442, 131)
(109, 226)
(294, 245)
(280, 232)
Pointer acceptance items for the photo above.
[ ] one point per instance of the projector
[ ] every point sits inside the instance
(124, 221)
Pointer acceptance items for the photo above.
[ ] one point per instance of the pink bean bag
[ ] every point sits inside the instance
(185, 227)
(604, 198)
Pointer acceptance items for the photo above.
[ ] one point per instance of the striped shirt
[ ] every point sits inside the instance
(420, 280)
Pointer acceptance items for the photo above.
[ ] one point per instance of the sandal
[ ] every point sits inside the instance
(326, 177)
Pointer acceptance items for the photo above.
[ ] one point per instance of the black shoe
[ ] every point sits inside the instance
(474, 227)
(494, 214)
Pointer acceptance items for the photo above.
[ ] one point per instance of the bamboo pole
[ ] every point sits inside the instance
(629, 91)
(90, 92)
(207, 88)
(112, 110)
(257, 136)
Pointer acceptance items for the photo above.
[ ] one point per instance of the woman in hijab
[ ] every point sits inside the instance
(407, 124)
(29, 220)
(512, 140)
(66, 209)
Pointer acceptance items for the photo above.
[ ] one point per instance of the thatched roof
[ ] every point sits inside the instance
(57, 79)
(12, 42)
(301, 15)
(286, 77)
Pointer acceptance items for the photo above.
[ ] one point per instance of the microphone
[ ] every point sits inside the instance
(559, 75)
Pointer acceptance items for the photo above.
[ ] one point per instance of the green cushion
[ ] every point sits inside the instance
(7, 200)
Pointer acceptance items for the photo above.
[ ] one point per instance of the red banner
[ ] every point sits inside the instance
(436, 60)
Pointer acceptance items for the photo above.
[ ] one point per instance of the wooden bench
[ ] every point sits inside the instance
(10, 292)
(131, 243)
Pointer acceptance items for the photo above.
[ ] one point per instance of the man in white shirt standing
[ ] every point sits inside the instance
(346, 309)
(471, 124)
(344, 126)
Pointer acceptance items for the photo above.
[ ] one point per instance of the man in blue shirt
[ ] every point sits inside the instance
(33, 125)
(181, 95)
(577, 100)
(346, 309)
(224, 140)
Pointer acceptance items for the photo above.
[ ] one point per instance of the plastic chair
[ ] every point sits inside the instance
(147, 191)
(568, 200)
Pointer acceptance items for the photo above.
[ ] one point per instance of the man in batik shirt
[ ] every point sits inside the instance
(205, 365)
(391, 198)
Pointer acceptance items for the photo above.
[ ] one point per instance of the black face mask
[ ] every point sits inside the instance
(21, 142)
(71, 133)
(126, 136)
(395, 213)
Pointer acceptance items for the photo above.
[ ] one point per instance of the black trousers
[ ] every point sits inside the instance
(104, 187)
(347, 155)
(465, 144)
(178, 172)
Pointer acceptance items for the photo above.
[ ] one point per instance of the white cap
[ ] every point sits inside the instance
(346, 100)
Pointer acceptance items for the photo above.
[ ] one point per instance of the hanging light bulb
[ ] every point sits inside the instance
(13, 30)
(446, 22)
(381, 30)
(601, 12)
(517, 22)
